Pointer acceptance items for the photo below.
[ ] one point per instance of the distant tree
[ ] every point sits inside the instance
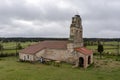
(19, 46)
(92, 43)
(88, 43)
(118, 48)
(85, 44)
(1, 48)
(100, 48)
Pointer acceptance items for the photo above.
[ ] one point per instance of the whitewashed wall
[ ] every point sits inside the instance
(26, 57)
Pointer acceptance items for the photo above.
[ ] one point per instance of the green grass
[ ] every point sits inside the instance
(10, 47)
(13, 44)
(107, 48)
(10, 69)
(112, 42)
(10, 51)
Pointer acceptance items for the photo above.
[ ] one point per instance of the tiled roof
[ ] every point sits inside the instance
(84, 50)
(33, 49)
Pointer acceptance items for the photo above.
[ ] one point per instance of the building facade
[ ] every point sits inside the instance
(70, 51)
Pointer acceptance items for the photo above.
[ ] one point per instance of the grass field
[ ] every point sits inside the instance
(13, 44)
(109, 47)
(112, 49)
(11, 69)
(10, 47)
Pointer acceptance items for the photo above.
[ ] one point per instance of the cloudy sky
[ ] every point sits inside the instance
(52, 18)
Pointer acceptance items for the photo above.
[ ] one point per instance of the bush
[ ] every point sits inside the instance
(7, 54)
(117, 59)
(91, 65)
(96, 53)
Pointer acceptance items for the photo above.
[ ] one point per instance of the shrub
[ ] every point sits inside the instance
(7, 54)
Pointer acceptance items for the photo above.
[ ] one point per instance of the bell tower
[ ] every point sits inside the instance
(76, 38)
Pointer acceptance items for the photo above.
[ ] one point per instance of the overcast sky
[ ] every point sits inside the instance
(52, 18)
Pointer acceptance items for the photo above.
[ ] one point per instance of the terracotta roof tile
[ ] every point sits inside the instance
(84, 50)
(45, 44)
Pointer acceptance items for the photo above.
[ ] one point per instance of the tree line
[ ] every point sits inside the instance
(24, 39)
(17, 47)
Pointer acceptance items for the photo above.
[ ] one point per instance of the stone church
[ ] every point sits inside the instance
(71, 51)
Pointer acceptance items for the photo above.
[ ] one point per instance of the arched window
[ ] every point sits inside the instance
(27, 56)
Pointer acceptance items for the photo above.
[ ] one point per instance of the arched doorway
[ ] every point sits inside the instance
(89, 59)
(81, 62)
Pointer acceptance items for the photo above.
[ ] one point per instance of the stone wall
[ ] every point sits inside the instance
(39, 54)
(53, 54)
(74, 59)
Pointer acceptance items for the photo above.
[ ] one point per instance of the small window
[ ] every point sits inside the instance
(27, 56)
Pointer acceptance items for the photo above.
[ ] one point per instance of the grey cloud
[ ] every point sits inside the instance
(100, 18)
(20, 10)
